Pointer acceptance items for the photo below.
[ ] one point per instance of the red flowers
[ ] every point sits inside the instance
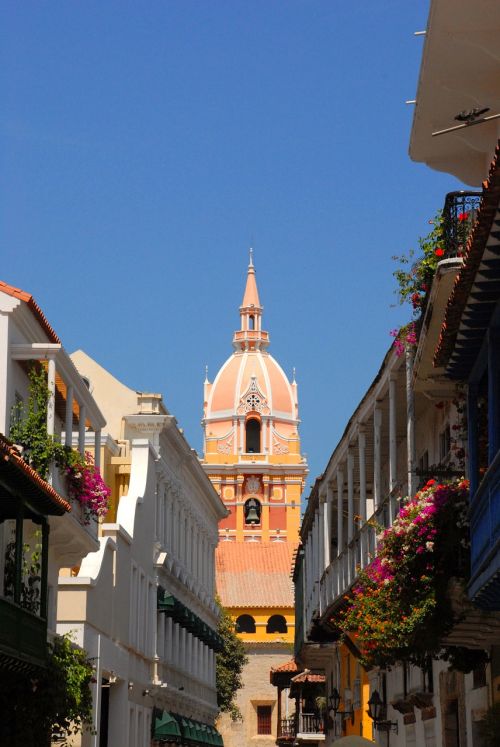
(463, 216)
(439, 252)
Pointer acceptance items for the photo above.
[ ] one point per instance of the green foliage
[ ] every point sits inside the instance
(29, 427)
(30, 579)
(229, 666)
(56, 703)
(415, 273)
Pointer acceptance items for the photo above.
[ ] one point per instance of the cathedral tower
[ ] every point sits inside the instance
(252, 456)
(251, 440)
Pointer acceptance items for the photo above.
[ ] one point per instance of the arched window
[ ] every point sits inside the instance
(276, 624)
(245, 624)
(252, 509)
(251, 321)
(252, 432)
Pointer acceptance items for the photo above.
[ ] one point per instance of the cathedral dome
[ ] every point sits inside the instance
(251, 380)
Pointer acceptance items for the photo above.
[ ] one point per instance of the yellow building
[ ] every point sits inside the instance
(252, 456)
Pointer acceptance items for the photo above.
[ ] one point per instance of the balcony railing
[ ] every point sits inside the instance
(485, 539)
(459, 215)
(305, 723)
(342, 572)
(23, 635)
(287, 728)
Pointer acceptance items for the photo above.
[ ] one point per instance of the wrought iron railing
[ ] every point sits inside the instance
(459, 216)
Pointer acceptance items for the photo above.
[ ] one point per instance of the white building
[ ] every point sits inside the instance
(143, 604)
(26, 337)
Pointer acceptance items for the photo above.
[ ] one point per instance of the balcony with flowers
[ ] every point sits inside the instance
(54, 399)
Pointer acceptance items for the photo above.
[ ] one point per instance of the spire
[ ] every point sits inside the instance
(251, 296)
(250, 335)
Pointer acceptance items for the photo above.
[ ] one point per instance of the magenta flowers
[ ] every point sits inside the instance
(88, 488)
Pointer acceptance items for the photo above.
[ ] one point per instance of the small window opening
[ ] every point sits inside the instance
(276, 624)
(264, 719)
(245, 624)
(252, 431)
(251, 321)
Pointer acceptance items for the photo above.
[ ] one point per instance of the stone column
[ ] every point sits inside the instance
(51, 384)
(340, 511)
(327, 531)
(81, 430)
(393, 453)
(97, 449)
(350, 494)
(410, 423)
(68, 439)
(377, 429)
(362, 472)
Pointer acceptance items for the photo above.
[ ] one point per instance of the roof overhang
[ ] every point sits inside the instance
(460, 70)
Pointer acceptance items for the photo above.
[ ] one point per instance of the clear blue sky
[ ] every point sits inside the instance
(145, 146)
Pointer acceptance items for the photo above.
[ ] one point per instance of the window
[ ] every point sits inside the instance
(252, 432)
(245, 624)
(264, 719)
(444, 443)
(251, 322)
(276, 624)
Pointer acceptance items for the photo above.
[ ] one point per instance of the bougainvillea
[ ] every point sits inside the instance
(404, 337)
(399, 609)
(88, 488)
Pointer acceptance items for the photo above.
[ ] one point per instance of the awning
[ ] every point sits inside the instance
(187, 619)
(166, 727)
(196, 733)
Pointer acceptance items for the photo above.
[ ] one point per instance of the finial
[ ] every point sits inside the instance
(250, 264)
(293, 375)
(206, 375)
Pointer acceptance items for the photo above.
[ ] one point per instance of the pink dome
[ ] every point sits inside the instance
(252, 376)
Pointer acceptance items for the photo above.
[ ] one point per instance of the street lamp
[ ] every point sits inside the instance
(377, 708)
(334, 701)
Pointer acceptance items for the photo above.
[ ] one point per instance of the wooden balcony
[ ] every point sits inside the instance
(23, 637)
(484, 586)
(306, 727)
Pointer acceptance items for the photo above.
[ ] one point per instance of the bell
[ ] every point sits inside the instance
(252, 516)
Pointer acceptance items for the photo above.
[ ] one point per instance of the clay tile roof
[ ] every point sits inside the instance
(33, 306)
(472, 259)
(308, 676)
(288, 666)
(28, 480)
(254, 574)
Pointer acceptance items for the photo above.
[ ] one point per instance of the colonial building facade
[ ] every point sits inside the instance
(252, 457)
(143, 605)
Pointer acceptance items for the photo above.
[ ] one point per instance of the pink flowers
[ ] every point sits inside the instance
(398, 609)
(403, 337)
(88, 488)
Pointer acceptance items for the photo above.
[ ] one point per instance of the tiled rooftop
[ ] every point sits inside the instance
(255, 574)
(34, 307)
(28, 476)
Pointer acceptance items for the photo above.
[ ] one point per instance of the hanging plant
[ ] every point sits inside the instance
(87, 487)
(29, 431)
(399, 609)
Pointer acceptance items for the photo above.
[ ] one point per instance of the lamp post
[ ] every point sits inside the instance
(334, 702)
(376, 710)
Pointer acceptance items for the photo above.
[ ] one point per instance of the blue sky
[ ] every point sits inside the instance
(146, 146)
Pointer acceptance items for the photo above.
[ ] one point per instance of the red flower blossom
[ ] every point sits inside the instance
(439, 252)
(463, 216)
